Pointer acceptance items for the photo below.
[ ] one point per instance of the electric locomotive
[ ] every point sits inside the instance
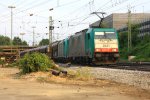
(93, 45)
(101, 45)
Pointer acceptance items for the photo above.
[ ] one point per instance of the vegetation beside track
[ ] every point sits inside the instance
(140, 45)
(35, 62)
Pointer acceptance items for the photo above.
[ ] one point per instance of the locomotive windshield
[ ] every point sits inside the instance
(105, 35)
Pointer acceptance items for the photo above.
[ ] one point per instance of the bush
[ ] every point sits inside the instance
(35, 62)
(1, 62)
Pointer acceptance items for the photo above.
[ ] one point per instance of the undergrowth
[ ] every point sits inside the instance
(35, 62)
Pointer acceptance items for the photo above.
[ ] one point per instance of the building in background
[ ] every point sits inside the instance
(119, 21)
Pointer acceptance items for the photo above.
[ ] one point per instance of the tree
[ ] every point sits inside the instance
(134, 33)
(123, 37)
(44, 42)
(18, 41)
(4, 40)
(24, 43)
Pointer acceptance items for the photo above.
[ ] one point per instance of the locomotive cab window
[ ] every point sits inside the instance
(106, 35)
(99, 35)
(110, 35)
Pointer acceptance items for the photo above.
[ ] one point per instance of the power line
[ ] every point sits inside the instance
(37, 5)
(66, 4)
(31, 7)
(23, 4)
(121, 8)
(72, 12)
(116, 4)
(103, 5)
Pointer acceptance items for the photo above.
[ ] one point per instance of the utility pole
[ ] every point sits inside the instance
(50, 30)
(33, 35)
(11, 7)
(129, 31)
(51, 27)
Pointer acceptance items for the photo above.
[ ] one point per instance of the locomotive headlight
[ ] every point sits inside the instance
(97, 50)
(114, 50)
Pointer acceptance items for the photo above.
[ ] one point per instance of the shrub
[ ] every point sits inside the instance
(1, 62)
(35, 62)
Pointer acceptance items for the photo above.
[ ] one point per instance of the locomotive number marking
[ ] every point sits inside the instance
(106, 45)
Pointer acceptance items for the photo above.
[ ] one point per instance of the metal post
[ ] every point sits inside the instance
(50, 31)
(11, 23)
(33, 35)
(129, 31)
(11, 7)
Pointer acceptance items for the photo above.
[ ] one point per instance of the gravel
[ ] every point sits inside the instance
(136, 78)
(139, 79)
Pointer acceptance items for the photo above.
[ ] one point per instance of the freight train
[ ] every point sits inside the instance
(92, 46)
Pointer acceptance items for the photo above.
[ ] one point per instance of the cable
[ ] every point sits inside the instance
(133, 6)
(74, 10)
(66, 4)
(103, 5)
(83, 6)
(37, 5)
(28, 3)
(111, 6)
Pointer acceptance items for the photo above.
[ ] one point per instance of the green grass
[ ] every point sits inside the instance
(142, 52)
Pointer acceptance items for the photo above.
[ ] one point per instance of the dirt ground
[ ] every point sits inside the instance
(13, 88)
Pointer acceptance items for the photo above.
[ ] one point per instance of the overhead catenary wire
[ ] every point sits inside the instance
(81, 18)
(96, 10)
(31, 7)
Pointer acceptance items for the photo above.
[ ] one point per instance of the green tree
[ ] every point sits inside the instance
(140, 45)
(134, 33)
(44, 42)
(123, 38)
(24, 43)
(4, 40)
(18, 41)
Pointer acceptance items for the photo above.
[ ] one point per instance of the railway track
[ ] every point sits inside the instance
(136, 66)
(134, 63)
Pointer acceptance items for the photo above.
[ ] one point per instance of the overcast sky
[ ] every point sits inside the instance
(69, 15)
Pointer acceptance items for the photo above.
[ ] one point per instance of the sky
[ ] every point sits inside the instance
(69, 16)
